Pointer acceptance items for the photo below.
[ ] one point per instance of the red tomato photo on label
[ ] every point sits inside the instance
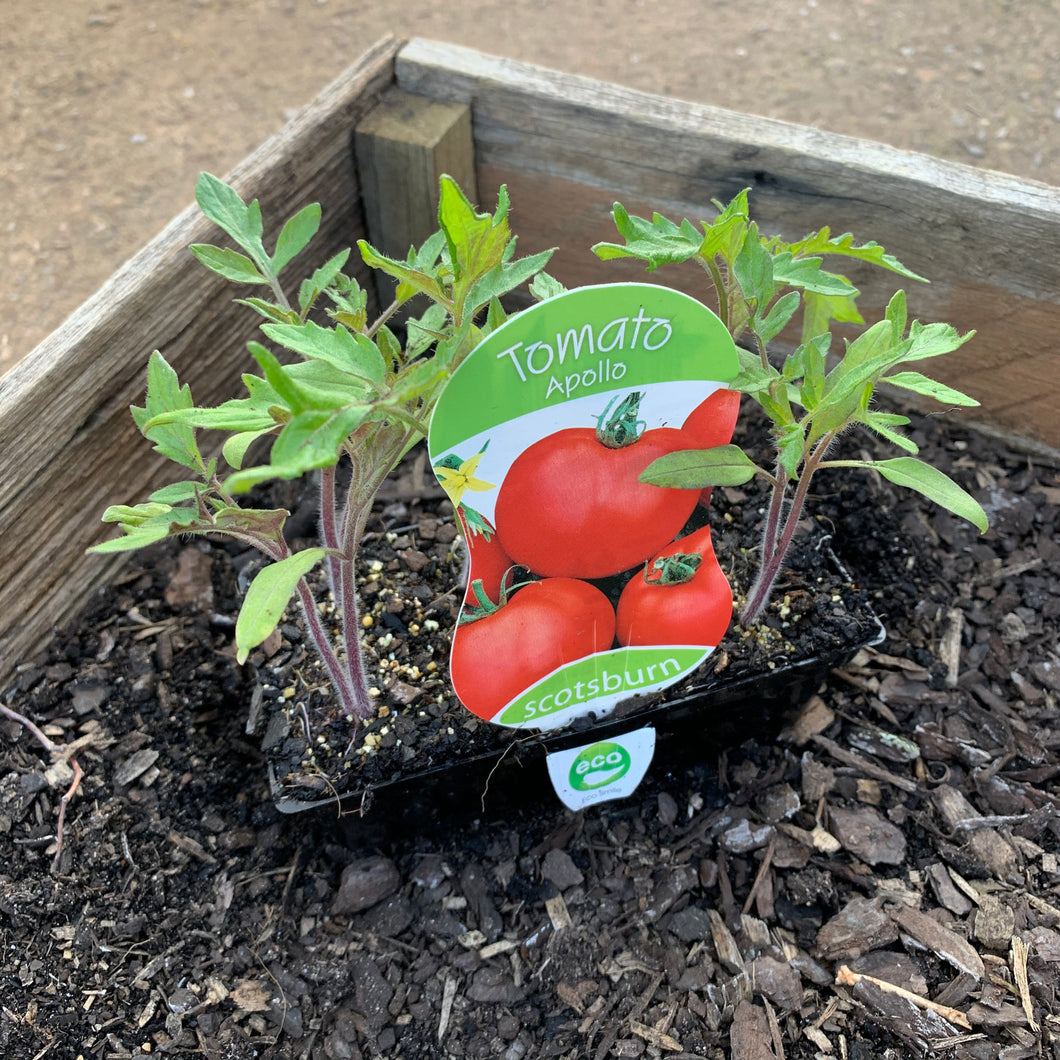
(681, 597)
(501, 651)
(571, 504)
(711, 423)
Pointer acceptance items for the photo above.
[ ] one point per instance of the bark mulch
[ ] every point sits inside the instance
(881, 882)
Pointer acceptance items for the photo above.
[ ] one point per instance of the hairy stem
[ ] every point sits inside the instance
(778, 535)
(352, 697)
(329, 531)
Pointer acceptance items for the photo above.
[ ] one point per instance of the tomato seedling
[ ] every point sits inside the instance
(354, 394)
(760, 284)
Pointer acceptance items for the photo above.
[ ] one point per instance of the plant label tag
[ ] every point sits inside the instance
(601, 771)
(586, 586)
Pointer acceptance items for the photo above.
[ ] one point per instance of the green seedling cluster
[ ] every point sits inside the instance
(764, 285)
(348, 390)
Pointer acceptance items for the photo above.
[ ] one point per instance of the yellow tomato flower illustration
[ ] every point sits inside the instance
(458, 477)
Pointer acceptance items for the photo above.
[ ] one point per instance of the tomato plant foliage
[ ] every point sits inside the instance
(816, 392)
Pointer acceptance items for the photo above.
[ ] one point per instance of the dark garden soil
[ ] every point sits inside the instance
(903, 831)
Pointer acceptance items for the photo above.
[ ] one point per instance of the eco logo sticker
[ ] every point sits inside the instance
(599, 772)
(586, 586)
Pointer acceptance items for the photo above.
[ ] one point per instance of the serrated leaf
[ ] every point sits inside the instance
(724, 465)
(321, 278)
(277, 376)
(655, 242)
(753, 269)
(883, 424)
(791, 443)
(783, 309)
(543, 287)
(921, 384)
(222, 205)
(337, 346)
(819, 310)
(313, 438)
(239, 414)
(270, 310)
(144, 524)
(296, 234)
(806, 274)
(933, 484)
(725, 235)
(424, 331)
(166, 395)
(932, 340)
(268, 597)
(411, 280)
(504, 278)
(477, 242)
(175, 493)
(823, 242)
(227, 263)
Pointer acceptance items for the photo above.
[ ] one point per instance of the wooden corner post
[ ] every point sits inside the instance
(403, 146)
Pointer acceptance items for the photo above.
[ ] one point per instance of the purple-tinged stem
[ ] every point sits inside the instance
(329, 531)
(778, 538)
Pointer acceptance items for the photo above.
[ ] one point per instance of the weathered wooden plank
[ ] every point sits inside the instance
(568, 146)
(404, 145)
(67, 443)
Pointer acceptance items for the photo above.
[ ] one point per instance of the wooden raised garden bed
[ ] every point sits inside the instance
(371, 147)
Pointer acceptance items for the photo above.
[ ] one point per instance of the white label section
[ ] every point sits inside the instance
(601, 771)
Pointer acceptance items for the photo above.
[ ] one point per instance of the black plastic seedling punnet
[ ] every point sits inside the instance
(693, 725)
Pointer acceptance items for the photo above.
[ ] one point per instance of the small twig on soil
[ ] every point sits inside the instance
(58, 752)
(866, 767)
(762, 870)
(846, 977)
(1019, 971)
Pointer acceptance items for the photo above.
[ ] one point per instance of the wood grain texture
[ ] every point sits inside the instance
(569, 146)
(68, 446)
(404, 145)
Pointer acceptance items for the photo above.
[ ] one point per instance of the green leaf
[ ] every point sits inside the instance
(773, 323)
(222, 205)
(932, 340)
(174, 493)
(725, 235)
(883, 423)
(504, 278)
(235, 448)
(296, 234)
(354, 354)
(819, 310)
(268, 596)
(753, 269)
(656, 242)
(270, 310)
(477, 242)
(823, 242)
(724, 465)
(227, 263)
(933, 484)
(166, 395)
(277, 376)
(411, 280)
(426, 330)
(544, 287)
(144, 524)
(239, 414)
(313, 439)
(806, 273)
(921, 384)
(321, 279)
(791, 444)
